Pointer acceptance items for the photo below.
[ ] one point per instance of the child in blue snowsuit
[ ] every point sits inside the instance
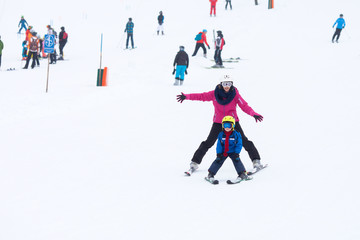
(182, 63)
(229, 145)
(340, 25)
(23, 24)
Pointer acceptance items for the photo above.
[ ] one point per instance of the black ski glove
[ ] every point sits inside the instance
(208, 47)
(186, 72)
(258, 118)
(180, 98)
(174, 71)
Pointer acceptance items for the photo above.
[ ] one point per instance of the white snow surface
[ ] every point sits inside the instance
(87, 162)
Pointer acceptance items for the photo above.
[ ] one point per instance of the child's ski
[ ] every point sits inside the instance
(237, 180)
(212, 180)
(255, 170)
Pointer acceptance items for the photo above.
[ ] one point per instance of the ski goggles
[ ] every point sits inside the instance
(227, 83)
(227, 125)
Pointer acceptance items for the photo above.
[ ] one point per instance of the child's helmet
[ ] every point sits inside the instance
(229, 119)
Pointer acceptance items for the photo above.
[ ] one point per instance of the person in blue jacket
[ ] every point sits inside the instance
(340, 25)
(130, 31)
(23, 24)
(229, 145)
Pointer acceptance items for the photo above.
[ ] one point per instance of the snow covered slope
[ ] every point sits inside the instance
(83, 162)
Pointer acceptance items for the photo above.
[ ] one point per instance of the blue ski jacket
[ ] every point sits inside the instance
(340, 23)
(129, 27)
(235, 142)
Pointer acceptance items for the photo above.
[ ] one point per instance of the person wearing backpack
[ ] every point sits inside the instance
(63, 36)
(33, 51)
(200, 40)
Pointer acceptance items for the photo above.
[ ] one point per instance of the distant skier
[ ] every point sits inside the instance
(219, 44)
(130, 32)
(229, 144)
(1, 48)
(228, 2)
(200, 40)
(340, 25)
(225, 98)
(33, 50)
(63, 37)
(182, 63)
(23, 24)
(213, 7)
(161, 23)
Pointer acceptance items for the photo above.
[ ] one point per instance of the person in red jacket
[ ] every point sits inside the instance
(213, 7)
(200, 40)
(225, 98)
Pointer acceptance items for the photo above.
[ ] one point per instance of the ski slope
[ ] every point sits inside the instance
(87, 162)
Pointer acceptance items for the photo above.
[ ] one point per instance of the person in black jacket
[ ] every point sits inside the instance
(182, 63)
(161, 23)
(63, 36)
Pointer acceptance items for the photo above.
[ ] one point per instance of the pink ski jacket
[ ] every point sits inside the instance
(223, 110)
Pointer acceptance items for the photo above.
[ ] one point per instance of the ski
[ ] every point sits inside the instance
(188, 173)
(130, 48)
(238, 180)
(212, 67)
(255, 170)
(212, 180)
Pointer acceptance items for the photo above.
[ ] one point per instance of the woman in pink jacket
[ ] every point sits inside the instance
(225, 97)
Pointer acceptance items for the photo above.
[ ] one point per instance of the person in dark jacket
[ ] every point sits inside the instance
(130, 32)
(161, 23)
(63, 37)
(182, 63)
(1, 48)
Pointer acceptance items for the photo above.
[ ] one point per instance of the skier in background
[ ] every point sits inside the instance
(129, 28)
(225, 98)
(182, 63)
(340, 25)
(63, 37)
(161, 23)
(25, 49)
(219, 44)
(28, 34)
(1, 48)
(212, 7)
(23, 24)
(229, 145)
(200, 40)
(228, 2)
(52, 55)
(33, 50)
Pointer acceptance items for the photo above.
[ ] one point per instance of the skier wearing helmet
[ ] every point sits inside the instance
(229, 145)
(225, 98)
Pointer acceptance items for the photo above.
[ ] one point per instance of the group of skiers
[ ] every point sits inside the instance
(33, 44)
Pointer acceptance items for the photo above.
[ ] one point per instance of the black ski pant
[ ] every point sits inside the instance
(211, 139)
(336, 34)
(130, 35)
(61, 47)
(217, 57)
(198, 45)
(32, 55)
(227, 5)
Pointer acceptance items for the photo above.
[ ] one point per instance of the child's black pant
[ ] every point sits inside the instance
(216, 165)
(211, 139)
(198, 45)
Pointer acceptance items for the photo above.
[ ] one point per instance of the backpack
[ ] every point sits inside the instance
(65, 36)
(198, 36)
(34, 45)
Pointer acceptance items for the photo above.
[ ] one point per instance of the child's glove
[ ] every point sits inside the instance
(180, 98)
(258, 117)
(174, 71)
(208, 47)
(186, 72)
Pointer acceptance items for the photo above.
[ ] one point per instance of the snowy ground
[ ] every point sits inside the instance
(83, 162)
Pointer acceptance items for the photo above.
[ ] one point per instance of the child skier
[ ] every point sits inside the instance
(25, 49)
(23, 24)
(182, 63)
(229, 145)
